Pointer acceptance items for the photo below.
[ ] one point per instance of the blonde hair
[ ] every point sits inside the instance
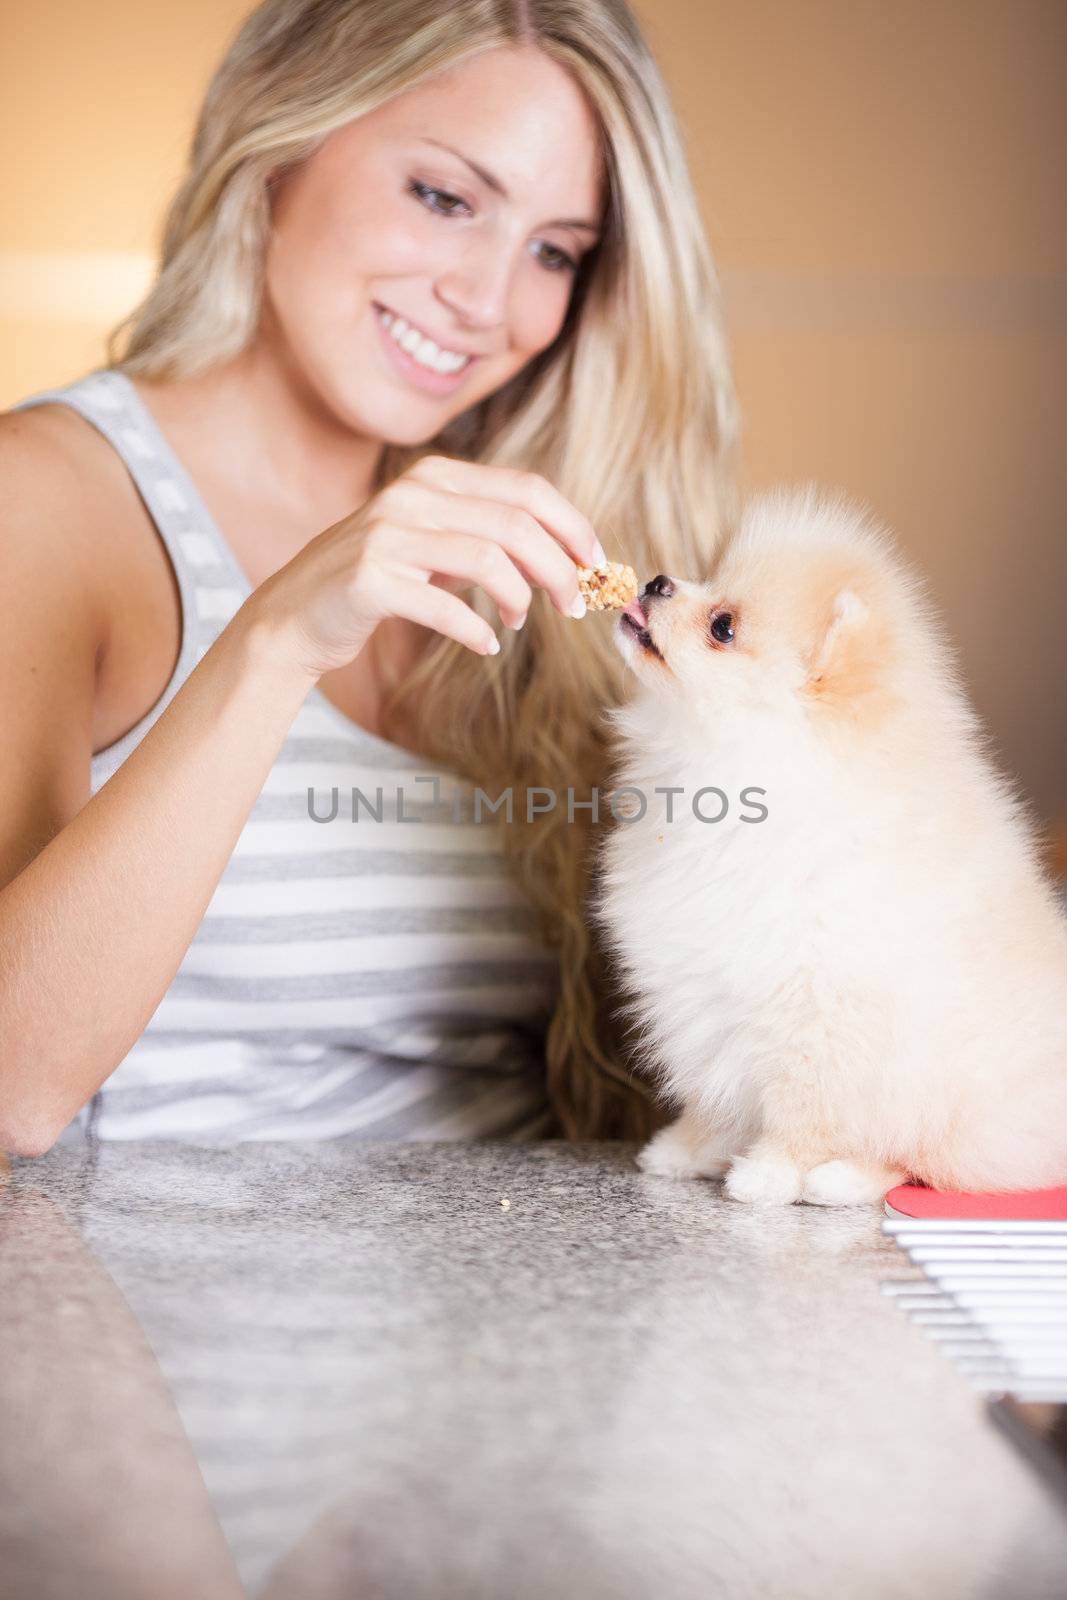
(630, 413)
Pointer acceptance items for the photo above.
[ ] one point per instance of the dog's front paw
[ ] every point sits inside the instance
(765, 1180)
(683, 1151)
(845, 1183)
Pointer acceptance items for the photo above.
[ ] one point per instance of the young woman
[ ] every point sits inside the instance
(434, 311)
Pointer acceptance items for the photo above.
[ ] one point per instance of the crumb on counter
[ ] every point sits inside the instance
(607, 588)
(505, 1203)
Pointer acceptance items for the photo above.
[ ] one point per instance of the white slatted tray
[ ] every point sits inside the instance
(993, 1295)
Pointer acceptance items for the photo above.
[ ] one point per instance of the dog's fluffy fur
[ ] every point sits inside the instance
(871, 982)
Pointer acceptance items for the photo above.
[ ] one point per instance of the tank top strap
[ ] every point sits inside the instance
(108, 400)
(210, 583)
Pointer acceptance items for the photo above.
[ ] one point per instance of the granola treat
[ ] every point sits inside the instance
(607, 588)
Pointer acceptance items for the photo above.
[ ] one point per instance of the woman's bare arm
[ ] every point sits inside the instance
(100, 896)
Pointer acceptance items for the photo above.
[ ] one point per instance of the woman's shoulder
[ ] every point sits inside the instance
(54, 485)
(55, 629)
(74, 528)
(50, 454)
(59, 478)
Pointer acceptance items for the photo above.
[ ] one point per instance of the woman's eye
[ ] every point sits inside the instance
(722, 627)
(553, 259)
(446, 204)
(439, 200)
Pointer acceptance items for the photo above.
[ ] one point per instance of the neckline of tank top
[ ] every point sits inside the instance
(396, 754)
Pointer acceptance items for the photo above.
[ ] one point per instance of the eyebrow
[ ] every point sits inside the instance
(494, 183)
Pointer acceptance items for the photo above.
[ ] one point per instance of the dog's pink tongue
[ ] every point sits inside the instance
(636, 612)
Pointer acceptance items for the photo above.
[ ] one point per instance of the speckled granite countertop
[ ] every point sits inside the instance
(346, 1370)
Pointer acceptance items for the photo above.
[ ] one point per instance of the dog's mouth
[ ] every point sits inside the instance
(634, 621)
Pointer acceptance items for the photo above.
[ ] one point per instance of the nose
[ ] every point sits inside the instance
(475, 288)
(660, 586)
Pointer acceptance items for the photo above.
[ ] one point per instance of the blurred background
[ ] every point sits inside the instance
(882, 185)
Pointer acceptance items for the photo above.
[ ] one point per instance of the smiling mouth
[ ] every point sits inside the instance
(423, 350)
(633, 621)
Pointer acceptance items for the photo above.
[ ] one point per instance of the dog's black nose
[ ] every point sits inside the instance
(660, 586)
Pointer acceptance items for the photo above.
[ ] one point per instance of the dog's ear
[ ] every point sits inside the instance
(841, 660)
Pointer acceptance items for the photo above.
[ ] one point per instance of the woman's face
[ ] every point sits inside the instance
(427, 251)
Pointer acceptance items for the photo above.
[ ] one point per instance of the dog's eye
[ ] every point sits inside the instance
(722, 627)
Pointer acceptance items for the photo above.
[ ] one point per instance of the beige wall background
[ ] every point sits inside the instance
(882, 184)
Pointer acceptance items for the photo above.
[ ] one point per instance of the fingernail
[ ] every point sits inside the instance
(600, 558)
(518, 625)
(578, 608)
(493, 647)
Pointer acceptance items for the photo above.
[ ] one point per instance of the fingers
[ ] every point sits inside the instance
(442, 611)
(527, 491)
(467, 557)
(518, 535)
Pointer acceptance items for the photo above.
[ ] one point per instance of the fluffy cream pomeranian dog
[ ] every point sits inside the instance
(858, 973)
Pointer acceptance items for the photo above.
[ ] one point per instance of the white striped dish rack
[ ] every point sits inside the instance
(993, 1296)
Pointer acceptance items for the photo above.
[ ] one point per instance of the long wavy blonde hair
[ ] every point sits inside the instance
(630, 413)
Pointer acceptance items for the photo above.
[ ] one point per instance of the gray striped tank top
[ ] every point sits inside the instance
(353, 973)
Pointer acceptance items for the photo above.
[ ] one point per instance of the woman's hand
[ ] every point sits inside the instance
(440, 526)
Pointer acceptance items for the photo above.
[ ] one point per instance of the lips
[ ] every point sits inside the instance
(634, 621)
(424, 333)
(404, 362)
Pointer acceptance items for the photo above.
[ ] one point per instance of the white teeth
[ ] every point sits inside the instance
(423, 350)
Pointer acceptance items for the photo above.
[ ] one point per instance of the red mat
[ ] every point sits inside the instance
(1033, 1205)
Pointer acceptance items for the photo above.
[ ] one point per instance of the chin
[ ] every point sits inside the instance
(865, 984)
